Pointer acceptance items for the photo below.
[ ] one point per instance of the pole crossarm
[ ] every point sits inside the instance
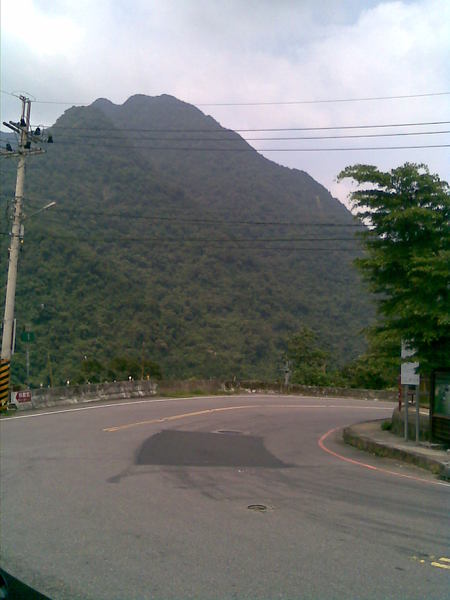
(27, 137)
(14, 154)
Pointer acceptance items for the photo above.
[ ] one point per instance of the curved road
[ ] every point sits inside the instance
(149, 500)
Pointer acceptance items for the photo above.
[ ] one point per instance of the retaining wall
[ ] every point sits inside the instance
(78, 394)
(306, 390)
(67, 395)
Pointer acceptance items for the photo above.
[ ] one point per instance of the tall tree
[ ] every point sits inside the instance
(307, 359)
(407, 261)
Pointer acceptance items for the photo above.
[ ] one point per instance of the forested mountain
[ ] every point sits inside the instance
(173, 240)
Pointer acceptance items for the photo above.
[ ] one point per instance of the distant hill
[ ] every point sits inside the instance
(174, 240)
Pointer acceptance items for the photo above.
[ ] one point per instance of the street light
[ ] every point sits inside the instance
(49, 205)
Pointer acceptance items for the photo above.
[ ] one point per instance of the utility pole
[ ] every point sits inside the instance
(25, 138)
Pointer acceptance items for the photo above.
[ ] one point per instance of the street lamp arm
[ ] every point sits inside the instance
(36, 212)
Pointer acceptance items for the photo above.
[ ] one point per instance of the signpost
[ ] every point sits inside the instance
(410, 377)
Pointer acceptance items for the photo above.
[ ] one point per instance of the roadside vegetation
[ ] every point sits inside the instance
(406, 264)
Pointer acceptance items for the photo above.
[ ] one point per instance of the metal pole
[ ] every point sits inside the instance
(8, 320)
(417, 397)
(405, 396)
(50, 371)
(28, 364)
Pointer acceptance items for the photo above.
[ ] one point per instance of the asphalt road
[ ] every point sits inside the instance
(149, 500)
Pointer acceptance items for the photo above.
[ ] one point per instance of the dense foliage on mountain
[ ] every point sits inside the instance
(173, 241)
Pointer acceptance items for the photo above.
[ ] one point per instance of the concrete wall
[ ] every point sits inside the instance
(78, 394)
(306, 390)
(68, 395)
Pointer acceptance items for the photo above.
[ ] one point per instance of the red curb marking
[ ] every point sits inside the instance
(371, 467)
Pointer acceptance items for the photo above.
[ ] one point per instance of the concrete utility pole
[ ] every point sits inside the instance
(26, 137)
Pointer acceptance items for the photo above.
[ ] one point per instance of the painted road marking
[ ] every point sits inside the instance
(372, 467)
(441, 563)
(227, 408)
(441, 566)
(159, 400)
(95, 406)
(176, 417)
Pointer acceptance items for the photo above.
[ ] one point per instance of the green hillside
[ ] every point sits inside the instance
(174, 241)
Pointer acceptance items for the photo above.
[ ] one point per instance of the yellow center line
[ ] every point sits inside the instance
(176, 417)
(209, 411)
(436, 564)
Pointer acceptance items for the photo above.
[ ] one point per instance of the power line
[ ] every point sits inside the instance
(200, 240)
(343, 137)
(219, 244)
(251, 149)
(203, 221)
(175, 219)
(260, 139)
(275, 102)
(180, 240)
(229, 130)
(230, 248)
(212, 243)
(335, 100)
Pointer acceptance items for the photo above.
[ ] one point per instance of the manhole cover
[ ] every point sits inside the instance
(257, 507)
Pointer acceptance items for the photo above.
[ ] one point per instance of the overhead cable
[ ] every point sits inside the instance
(261, 139)
(335, 100)
(273, 102)
(251, 149)
(202, 221)
(253, 129)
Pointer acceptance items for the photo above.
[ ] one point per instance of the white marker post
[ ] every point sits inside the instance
(410, 377)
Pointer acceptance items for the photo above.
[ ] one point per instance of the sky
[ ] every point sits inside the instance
(204, 52)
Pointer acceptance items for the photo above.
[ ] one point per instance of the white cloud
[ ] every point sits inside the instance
(243, 51)
(42, 34)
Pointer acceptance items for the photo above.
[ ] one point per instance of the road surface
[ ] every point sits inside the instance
(149, 500)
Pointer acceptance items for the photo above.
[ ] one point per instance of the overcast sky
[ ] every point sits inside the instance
(206, 51)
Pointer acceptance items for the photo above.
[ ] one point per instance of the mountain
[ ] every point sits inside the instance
(174, 240)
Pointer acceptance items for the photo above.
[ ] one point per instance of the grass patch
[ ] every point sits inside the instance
(386, 425)
(5, 414)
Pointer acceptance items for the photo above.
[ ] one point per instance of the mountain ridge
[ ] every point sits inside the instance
(163, 252)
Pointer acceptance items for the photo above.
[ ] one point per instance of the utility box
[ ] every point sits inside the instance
(440, 406)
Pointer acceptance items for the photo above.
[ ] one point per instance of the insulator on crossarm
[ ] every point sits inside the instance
(37, 131)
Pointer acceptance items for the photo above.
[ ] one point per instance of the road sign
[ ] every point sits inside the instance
(408, 369)
(21, 398)
(409, 375)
